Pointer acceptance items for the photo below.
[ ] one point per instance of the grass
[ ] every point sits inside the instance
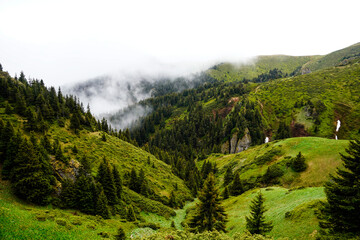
(299, 203)
(228, 72)
(321, 154)
(19, 220)
(334, 58)
(124, 155)
(337, 88)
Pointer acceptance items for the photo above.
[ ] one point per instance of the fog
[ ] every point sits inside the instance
(63, 42)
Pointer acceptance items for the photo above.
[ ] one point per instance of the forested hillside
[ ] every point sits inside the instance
(206, 158)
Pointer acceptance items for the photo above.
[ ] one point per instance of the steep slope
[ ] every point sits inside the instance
(123, 155)
(66, 147)
(316, 100)
(321, 155)
(333, 59)
(259, 65)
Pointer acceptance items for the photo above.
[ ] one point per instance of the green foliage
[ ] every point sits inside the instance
(120, 234)
(101, 203)
(106, 178)
(283, 131)
(268, 156)
(29, 175)
(229, 176)
(226, 193)
(236, 187)
(298, 163)
(117, 182)
(340, 213)
(210, 214)
(272, 175)
(207, 235)
(131, 214)
(256, 223)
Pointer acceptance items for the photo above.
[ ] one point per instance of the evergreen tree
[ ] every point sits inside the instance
(85, 190)
(210, 213)
(105, 177)
(131, 214)
(120, 234)
(75, 122)
(340, 214)
(28, 178)
(118, 182)
(229, 176)
(101, 207)
(172, 200)
(256, 223)
(6, 134)
(283, 131)
(226, 193)
(298, 163)
(134, 182)
(103, 137)
(68, 194)
(10, 156)
(236, 187)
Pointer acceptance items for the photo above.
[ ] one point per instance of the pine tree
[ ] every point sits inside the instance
(120, 234)
(340, 214)
(229, 176)
(298, 163)
(226, 193)
(105, 177)
(236, 187)
(10, 156)
(101, 207)
(85, 190)
(131, 214)
(283, 131)
(68, 194)
(118, 182)
(211, 214)
(134, 182)
(256, 223)
(75, 122)
(28, 178)
(172, 200)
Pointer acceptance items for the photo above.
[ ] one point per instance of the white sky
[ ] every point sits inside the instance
(73, 40)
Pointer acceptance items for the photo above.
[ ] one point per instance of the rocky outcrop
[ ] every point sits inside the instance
(236, 145)
(233, 142)
(225, 147)
(244, 143)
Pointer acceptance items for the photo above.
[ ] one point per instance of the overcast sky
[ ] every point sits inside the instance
(73, 40)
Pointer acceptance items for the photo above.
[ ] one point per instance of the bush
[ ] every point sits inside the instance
(272, 174)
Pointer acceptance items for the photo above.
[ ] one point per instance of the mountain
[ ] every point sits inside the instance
(268, 126)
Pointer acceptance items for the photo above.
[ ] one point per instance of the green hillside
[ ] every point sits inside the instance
(259, 65)
(293, 213)
(321, 154)
(66, 175)
(123, 155)
(333, 59)
(334, 94)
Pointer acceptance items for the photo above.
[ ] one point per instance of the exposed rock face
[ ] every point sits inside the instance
(66, 172)
(237, 145)
(233, 142)
(244, 143)
(225, 147)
